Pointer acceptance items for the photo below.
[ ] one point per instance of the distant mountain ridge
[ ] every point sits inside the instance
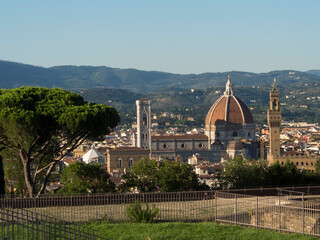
(14, 74)
(314, 71)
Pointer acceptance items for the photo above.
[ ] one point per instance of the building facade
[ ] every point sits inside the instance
(122, 159)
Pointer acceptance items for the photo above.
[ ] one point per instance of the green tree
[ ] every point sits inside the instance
(2, 183)
(143, 176)
(148, 176)
(79, 177)
(241, 172)
(175, 176)
(40, 125)
(318, 167)
(288, 174)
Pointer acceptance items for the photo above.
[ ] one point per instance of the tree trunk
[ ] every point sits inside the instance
(28, 178)
(45, 181)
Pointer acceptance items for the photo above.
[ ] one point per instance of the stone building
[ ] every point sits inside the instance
(122, 158)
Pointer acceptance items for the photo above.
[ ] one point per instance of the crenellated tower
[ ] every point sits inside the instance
(274, 122)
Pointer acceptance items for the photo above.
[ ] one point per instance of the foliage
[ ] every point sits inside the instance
(39, 126)
(2, 183)
(148, 176)
(143, 176)
(13, 174)
(240, 172)
(175, 176)
(79, 177)
(143, 213)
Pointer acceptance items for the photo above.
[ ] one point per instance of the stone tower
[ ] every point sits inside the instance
(274, 122)
(143, 123)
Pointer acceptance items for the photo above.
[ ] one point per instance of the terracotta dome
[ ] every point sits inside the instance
(229, 109)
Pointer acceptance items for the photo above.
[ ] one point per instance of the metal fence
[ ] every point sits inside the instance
(175, 206)
(290, 211)
(24, 224)
(273, 191)
(284, 210)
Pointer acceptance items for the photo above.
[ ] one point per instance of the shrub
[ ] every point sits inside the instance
(143, 213)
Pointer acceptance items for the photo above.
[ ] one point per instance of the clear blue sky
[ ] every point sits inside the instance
(177, 36)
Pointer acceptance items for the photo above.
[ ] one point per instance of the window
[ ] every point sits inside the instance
(130, 162)
(165, 145)
(183, 145)
(249, 134)
(234, 134)
(144, 119)
(119, 162)
(297, 163)
(282, 163)
(217, 134)
(301, 163)
(201, 145)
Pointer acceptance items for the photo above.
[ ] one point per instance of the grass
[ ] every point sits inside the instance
(187, 231)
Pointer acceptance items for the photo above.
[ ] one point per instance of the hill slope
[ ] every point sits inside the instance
(84, 77)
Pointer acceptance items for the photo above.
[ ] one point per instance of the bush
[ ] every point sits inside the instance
(143, 213)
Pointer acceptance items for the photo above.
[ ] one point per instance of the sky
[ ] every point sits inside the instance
(178, 36)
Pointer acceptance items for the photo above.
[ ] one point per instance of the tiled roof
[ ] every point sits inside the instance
(229, 110)
(181, 137)
(128, 149)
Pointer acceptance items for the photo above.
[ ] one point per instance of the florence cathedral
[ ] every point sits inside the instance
(229, 120)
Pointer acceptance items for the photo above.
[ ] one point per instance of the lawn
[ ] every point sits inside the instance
(185, 231)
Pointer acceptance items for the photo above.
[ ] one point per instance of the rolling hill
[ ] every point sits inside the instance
(85, 77)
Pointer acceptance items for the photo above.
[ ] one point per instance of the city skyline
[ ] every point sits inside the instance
(170, 36)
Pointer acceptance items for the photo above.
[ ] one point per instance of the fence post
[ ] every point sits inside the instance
(257, 219)
(279, 214)
(215, 207)
(302, 214)
(236, 208)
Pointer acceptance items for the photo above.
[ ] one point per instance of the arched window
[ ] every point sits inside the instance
(119, 162)
(144, 119)
(130, 162)
(274, 104)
